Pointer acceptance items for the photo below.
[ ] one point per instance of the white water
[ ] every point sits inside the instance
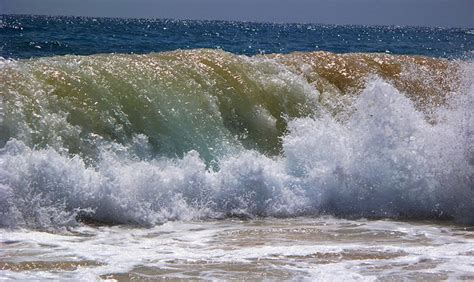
(298, 248)
(384, 160)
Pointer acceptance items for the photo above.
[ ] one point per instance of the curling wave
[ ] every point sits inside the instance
(142, 139)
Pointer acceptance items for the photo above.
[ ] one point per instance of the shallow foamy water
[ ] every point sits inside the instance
(322, 247)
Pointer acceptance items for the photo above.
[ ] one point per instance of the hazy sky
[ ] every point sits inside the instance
(452, 13)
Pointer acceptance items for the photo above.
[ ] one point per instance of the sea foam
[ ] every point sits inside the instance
(384, 159)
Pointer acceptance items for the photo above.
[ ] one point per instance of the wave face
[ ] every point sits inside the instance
(142, 139)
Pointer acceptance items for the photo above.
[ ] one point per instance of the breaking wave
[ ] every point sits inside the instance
(142, 139)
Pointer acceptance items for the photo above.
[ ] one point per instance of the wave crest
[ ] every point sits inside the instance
(384, 158)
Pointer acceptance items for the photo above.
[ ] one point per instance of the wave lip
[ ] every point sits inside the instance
(205, 134)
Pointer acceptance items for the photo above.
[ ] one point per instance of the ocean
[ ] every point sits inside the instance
(170, 149)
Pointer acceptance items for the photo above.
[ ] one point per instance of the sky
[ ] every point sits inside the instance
(445, 13)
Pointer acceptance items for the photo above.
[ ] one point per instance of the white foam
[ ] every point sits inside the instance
(384, 160)
(294, 246)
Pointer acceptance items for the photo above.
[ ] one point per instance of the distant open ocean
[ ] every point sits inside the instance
(170, 149)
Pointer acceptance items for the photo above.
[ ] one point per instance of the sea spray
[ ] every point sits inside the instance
(128, 139)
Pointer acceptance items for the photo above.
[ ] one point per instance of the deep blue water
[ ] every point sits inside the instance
(36, 36)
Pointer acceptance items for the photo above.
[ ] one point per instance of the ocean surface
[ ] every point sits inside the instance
(147, 149)
(39, 36)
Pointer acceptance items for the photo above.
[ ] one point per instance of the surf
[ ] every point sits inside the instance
(206, 134)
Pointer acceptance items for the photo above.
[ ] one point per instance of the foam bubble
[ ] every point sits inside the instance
(384, 160)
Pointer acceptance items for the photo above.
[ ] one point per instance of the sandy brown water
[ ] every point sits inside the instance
(301, 248)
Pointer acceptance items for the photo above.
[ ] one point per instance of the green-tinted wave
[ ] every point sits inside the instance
(214, 102)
